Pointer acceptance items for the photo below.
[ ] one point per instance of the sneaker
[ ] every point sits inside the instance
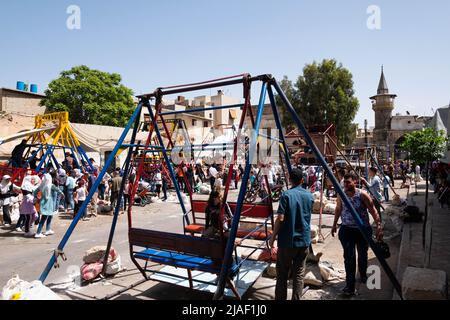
(19, 229)
(49, 233)
(348, 292)
(86, 219)
(363, 279)
(39, 236)
(6, 225)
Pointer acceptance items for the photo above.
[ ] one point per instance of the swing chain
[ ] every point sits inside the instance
(59, 253)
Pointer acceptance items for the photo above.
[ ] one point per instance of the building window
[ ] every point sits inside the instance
(210, 115)
(205, 124)
(194, 122)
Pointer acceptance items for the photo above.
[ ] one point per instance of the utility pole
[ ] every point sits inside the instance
(366, 140)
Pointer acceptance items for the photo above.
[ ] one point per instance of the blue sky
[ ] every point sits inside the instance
(158, 43)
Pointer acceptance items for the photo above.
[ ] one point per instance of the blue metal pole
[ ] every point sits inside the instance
(228, 257)
(42, 162)
(55, 160)
(75, 158)
(202, 109)
(91, 193)
(33, 156)
(338, 188)
(86, 158)
(122, 188)
(280, 129)
(169, 165)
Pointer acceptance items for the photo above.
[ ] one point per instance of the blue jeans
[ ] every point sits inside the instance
(386, 194)
(101, 191)
(70, 204)
(41, 223)
(61, 202)
(351, 238)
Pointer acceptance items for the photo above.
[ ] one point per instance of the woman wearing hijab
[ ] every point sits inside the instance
(6, 192)
(47, 204)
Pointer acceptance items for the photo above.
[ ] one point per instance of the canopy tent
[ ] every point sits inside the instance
(441, 121)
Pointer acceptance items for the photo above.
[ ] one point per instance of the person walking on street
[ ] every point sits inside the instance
(164, 180)
(116, 181)
(27, 209)
(70, 186)
(47, 204)
(158, 182)
(6, 193)
(213, 174)
(80, 195)
(374, 185)
(293, 230)
(349, 233)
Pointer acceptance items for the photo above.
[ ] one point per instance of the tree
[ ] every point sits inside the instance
(324, 95)
(90, 96)
(425, 146)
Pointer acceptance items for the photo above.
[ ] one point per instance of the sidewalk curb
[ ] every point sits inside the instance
(405, 245)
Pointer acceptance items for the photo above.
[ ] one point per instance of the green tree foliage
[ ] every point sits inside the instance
(324, 95)
(90, 96)
(425, 145)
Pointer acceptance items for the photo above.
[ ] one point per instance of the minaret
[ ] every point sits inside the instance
(383, 105)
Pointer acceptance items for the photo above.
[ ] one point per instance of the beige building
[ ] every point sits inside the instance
(205, 125)
(20, 102)
(390, 130)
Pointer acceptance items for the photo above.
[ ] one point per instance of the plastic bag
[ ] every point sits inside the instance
(268, 255)
(91, 271)
(17, 289)
(114, 267)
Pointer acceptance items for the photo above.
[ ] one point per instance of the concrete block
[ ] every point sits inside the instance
(424, 284)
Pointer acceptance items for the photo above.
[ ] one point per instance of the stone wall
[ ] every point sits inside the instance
(12, 101)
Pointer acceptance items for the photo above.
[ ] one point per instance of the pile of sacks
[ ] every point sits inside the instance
(93, 263)
(317, 272)
(328, 206)
(104, 207)
(17, 289)
(398, 201)
(205, 188)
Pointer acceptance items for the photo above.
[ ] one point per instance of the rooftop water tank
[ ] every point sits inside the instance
(34, 88)
(20, 85)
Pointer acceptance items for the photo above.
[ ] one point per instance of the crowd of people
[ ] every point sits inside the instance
(440, 180)
(41, 197)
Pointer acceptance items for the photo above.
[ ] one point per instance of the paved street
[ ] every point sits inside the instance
(28, 257)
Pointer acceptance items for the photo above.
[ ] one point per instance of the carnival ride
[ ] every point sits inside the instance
(196, 256)
(51, 132)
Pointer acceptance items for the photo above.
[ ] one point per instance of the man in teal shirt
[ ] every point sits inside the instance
(293, 229)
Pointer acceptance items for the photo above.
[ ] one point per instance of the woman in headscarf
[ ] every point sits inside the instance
(47, 204)
(6, 192)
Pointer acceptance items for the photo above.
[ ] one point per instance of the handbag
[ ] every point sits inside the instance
(384, 250)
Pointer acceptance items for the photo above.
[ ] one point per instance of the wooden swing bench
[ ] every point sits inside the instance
(261, 212)
(181, 251)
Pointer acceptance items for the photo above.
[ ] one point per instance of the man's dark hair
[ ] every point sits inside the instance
(342, 172)
(351, 175)
(296, 176)
(373, 169)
